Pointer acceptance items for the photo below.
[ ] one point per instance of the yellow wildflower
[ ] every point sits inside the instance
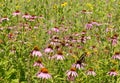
(97, 67)
(28, 1)
(88, 53)
(74, 56)
(95, 51)
(90, 6)
(55, 6)
(1, 5)
(64, 4)
(17, 7)
(114, 62)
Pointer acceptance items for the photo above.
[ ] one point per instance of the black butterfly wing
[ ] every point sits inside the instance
(82, 58)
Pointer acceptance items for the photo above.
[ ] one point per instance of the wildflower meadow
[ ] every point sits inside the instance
(59, 41)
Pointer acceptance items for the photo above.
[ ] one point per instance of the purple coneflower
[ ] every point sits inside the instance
(4, 18)
(49, 49)
(116, 55)
(36, 52)
(79, 65)
(38, 63)
(114, 39)
(91, 72)
(109, 15)
(86, 12)
(43, 73)
(83, 32)
(59, 56)
(95, 23)
(13, 50)
(10, 35)
(32, 18)
(112, 72)
(16, 13)
(109, 29)
(83, 39)
(26, 15)
(89, 25)
(49, 32)
(55, 29)
(71, 74)
(55, 38)
(79, 46)
(76, 34)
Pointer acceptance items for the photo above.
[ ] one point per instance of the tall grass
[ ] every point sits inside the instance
(19, 36)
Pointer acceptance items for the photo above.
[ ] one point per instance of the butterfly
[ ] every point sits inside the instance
(82, 58)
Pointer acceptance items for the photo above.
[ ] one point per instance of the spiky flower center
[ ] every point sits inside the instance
(26, 13)
(39, 61)
(78, 62)
(44, 70)
(36, 48)
(83, 11)
(90, 69)
(17, 11)
(117, 53)
(73, 69)
(112, 70)
(60, 53)
(49, 46)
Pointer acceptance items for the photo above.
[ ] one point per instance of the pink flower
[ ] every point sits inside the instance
(113, 72)
(95, 23)
(114, 39)
(79, 46)
(49, 49)
(59, 56)
(76, 34)
(55, 41)
(91, 72)
(71, 74)
(13, 50)
(88, 26)
(16, 13)
(41, 17)
(108, 29)
(32, 18)
(109, 15)
(55, 38)
(55, 29)
(26, 15)
(38, 63)
(11, 35)
(43, 73)
(83, 32)
(79, 65)
(116, 56)
(36, 52)
(86, 12)
(49, 32)
(88, 37)
(4, 18)
(83, 39)
(35, 27)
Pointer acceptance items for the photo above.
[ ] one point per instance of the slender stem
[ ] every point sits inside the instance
(44, 81)
(29, 68)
